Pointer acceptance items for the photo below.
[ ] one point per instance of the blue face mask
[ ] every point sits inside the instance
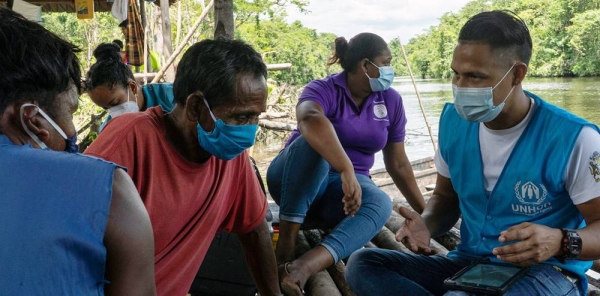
(477, 103)
(385, 79)
(72, 146)
(226, 141)
(71, 143)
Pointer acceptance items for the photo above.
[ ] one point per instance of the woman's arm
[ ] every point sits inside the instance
(318, 131)
(399, 167)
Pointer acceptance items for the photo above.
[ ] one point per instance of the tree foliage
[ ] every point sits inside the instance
(280, 42)
(87, 34)
(564, 34)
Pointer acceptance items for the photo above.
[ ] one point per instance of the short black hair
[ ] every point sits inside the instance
(212, 67)
(118, 43)
(109, 69)
(501, 30)
(363, 45)
(35, 64)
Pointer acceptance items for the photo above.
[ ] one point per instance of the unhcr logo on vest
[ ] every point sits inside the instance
(531, 198)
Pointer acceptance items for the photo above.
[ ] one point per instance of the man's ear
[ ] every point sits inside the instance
(32, 121)
(519, 73)
(193, 104)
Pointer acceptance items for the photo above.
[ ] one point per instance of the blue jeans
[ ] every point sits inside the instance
(303, 186)
(387, 272)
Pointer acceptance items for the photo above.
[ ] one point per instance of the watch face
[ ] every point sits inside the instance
(573, 244)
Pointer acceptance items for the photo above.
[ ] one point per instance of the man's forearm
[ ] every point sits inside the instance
(258, 250)
(440, 214)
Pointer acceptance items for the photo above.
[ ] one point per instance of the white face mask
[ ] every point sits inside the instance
(477, 103)
(127, 107)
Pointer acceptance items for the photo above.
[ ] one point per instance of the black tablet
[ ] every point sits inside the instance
(486, 278)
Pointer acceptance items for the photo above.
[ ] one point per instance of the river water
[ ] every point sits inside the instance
(581, 96)
(578, 95)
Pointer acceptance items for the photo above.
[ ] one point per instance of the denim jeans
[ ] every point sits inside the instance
(387, 272)
(301, 183)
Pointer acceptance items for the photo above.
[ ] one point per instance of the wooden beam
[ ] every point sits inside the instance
(278, 67)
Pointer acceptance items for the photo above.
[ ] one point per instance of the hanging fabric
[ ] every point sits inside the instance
(119, 10)
(135, 36)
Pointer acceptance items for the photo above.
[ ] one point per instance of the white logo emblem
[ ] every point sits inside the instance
(380, 111)
(532, 199)
(529, 193)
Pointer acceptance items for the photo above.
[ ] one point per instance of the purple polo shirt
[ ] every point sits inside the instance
(362, 132)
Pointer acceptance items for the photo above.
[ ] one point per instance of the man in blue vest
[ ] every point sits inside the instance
(519, 170)
(71, 224)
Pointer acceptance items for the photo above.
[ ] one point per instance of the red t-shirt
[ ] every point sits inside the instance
(187, 202)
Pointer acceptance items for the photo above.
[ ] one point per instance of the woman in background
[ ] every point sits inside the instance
(111, 85)
(323, 172)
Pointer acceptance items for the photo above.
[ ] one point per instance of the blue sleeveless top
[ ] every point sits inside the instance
(54, 210)
(531, 187)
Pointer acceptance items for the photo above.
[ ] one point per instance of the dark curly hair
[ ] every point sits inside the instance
(109, 68)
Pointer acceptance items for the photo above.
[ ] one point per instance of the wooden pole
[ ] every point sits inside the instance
(278, 126)
(418, 96)
(183, 43)
(167, 35)
(224, 22)
(386, 239)
(143, 13)
(337, 273)
(321, 282)
(146, 51)
(178, 35)
(278, 67)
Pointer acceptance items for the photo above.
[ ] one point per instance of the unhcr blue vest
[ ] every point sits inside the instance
(53, 214)
(531, 187)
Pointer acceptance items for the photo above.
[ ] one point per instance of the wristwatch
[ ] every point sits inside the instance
(570, 245)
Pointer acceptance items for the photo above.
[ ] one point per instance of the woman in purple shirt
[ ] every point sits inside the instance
(323, 172)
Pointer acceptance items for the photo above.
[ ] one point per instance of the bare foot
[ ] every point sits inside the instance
(291, 280)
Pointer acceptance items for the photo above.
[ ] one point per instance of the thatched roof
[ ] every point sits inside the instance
(69, 5)
(64, 6)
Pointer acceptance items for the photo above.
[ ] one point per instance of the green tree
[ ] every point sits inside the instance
(280, 42)
(87, 34)
(563, 35)
(585, 43)
(398, 61)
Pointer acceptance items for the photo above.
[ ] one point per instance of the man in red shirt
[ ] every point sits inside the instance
(190, 166)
